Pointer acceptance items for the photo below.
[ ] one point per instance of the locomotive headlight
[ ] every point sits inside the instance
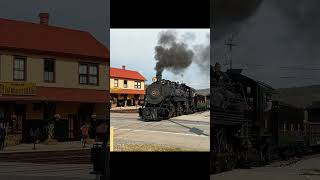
(155, 92)
(154, 79)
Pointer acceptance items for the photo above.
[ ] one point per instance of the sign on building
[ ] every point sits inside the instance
(17, 88)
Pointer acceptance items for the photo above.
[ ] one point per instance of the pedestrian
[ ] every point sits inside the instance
(100, 131)
(84, 132)
(1, 137)
(4, 131)
(35, 136)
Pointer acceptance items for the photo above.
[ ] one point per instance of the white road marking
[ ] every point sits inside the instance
(164, 132)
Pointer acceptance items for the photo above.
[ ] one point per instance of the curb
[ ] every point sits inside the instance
(111, 139)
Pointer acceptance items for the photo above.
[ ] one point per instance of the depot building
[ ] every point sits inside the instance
(47, 72)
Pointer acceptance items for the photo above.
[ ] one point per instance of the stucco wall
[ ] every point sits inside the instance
(130, 84)
(66, 74)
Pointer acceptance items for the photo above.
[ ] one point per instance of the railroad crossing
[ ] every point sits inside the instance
(187, 132)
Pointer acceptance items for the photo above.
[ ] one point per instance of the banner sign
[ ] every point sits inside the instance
(17, 88)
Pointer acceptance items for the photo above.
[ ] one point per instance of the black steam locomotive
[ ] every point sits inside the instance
(249, 128)
(165, 99)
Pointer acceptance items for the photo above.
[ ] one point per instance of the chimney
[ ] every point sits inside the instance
(44, 18)
(159, 77)
(123, 67)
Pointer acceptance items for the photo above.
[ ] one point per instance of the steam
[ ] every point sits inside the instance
(176, 55)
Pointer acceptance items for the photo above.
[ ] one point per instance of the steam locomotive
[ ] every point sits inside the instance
(165, 99)
(249, 128)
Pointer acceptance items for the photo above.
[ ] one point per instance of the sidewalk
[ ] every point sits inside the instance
(127, 109)
(203, 116)
(60, 146)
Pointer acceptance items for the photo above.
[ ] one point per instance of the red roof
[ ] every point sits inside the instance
(50, 40)
(126, 74)
(63, 95)
(128, 91)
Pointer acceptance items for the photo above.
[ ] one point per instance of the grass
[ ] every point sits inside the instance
(146, 148)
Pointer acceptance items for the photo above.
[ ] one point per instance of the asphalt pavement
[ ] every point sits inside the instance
(188, 132)
(307, 168)
(18, 171)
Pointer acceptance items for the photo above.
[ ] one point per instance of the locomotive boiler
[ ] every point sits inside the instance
(165, 99)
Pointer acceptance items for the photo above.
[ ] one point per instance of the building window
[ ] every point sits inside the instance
(137, 84)
(125, 83)
(88, 74)
(116, 83)
(19, 67)
(49, 70)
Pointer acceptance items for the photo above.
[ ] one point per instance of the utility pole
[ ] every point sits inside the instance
(230, 45)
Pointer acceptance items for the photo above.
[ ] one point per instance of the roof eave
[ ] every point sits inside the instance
(52, 53)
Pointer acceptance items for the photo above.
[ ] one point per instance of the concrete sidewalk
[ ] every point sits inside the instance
(203, 116)
(60, 146)
(125, 108)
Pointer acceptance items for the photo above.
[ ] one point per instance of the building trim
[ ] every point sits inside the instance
(73, 57)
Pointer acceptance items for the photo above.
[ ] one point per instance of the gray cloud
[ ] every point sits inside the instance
(277, 44)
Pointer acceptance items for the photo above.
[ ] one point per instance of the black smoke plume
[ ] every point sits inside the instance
(228, 15)
(270, 34)
(171, 54)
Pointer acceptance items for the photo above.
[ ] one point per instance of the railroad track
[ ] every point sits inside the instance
(81, 156)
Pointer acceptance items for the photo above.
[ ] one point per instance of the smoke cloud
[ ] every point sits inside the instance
(282, 35)
(202, 58)
(171, 54)
(229, 15)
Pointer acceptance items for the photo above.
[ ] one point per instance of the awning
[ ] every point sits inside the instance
(127, 91)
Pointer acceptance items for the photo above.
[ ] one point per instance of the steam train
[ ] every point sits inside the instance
(249, 128)
(165, 99)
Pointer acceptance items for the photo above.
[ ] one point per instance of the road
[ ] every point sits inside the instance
(17, 171)
(305, 169)
(188, 132)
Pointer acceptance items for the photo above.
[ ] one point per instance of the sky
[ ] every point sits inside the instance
(92, 16)
(135, 48)
(277, 42)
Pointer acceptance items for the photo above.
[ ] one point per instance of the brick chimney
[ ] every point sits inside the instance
(123, 67)
(44, 18)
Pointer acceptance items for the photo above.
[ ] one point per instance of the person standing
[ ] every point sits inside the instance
(4, 132)
(1, 137)
(84, 132)
(100, 132)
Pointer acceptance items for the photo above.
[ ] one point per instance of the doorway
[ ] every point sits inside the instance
(20, 121)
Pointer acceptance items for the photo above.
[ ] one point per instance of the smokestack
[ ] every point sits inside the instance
(123, 67)
(159, 76)
(44, 18)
